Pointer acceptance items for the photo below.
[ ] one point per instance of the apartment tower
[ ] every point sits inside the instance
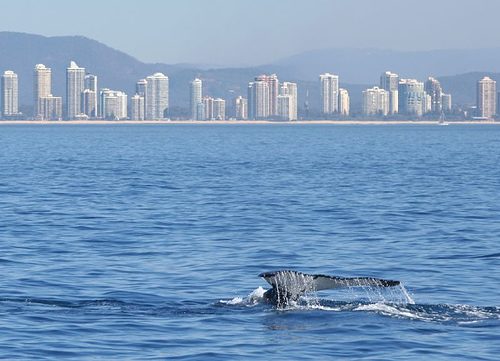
(344, 102)
(258, 100)
(196, 97)
(390, 82)
(157, 96)
(9, 93)
(433, 89)
(329, 90)
(376, 102)
(41, 88)
(240, 108)
(75, 85)
(412, 97)
(91, 103)
(486, 97)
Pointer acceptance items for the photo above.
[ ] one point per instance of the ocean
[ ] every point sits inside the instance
(145, 242)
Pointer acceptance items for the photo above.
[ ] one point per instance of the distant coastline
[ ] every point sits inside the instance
(239, 122)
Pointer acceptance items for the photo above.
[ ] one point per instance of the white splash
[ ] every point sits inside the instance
(388, 310)
(254, 298)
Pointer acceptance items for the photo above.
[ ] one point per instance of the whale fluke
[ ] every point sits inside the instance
(291, 285)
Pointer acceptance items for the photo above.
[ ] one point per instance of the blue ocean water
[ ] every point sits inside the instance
(144, 242)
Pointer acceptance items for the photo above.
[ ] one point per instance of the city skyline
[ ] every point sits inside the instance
(268, 98)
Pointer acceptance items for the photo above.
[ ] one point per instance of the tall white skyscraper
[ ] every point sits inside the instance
(258, 100)
(273, 86)
(41, 87)
(285, 107)
(9, 93)
(208, 108)
(113, 104)
(156, 96)
(287, 101)
(89, 103)
(75, 85)
(486, 97)
(375, 102)
(137, 107)
(51, 108)
(412, 97)
(390, 82)
(329, 90)
(196, 97)
(240, 108)
(291, 89)
(344, 102)
(447, 103)
(91, 84)
(219, 109)
(141, 87)
(433, 89)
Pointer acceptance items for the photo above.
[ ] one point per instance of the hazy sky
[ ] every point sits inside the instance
(251, 32)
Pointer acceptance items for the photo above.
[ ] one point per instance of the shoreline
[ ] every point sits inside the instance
(239, 122)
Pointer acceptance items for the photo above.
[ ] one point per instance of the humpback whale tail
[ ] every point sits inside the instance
(291, 285)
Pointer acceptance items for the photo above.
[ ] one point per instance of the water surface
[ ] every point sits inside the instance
(144, 242)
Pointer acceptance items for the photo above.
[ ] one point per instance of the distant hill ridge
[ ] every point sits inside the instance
(357, 68)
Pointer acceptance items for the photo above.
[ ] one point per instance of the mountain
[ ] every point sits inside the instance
(364, 66)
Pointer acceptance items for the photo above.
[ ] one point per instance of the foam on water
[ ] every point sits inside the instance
(394, 304)
(254, 298)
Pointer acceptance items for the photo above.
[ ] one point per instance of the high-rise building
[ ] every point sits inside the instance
(200, 111)
(156, 96)
(137, 107)
(433, 89)
(41, 87)
(75, 85)
(9, 94)
(375, 102)
(208, 108)
(427, 106)
(219, 109)
(113, 104)
(122, 109)
(290, 89)
(412, 97)
(329, 91)
(285, 107)
(91, 84)
(141, 87)
(486, 98)
(344, 102)
(258, 100)
(50, 107)
(390, 82)
(196, 97)
(273, 86)
(287, 101)
(89, 103)
(447, 102)
(240, 108)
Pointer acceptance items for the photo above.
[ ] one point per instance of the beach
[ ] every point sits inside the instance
(242, 122)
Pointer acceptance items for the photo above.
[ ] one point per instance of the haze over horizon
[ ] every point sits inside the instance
(227, 33)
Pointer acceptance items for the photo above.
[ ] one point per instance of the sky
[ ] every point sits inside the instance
(254, 32)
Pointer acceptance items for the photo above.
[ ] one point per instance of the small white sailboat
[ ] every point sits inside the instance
(442, 120)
